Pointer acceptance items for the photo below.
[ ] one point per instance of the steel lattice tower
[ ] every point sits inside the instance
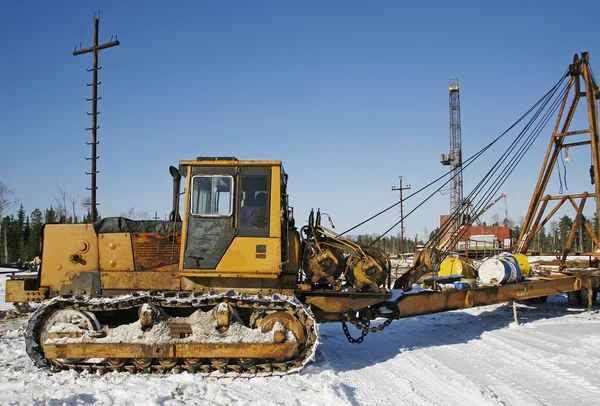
(454, 158)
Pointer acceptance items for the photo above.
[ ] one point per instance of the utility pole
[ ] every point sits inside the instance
(94, 50)
(400, 188)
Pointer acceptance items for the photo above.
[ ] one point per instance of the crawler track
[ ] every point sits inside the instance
(168, 301)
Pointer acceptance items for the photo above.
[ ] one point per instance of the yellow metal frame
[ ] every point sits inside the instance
(229, 163)
(418, 304)
(15, 292)
(581, 84)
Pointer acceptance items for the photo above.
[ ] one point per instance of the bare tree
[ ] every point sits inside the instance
(143, 215)
(73, 201)
(6, 201)
(5, 198)
(132, 214)
(61, 205)
(86, 203)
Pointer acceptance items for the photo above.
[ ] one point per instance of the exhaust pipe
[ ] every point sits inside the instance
(176, 185)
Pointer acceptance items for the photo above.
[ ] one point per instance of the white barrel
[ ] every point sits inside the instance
(500, 270)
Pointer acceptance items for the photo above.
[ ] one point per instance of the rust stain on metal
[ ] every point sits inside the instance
(152, 251)
(132, 281)
(338, 304)
(175, 350)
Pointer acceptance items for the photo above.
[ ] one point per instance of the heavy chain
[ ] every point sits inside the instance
(364, 327)
(351, 339)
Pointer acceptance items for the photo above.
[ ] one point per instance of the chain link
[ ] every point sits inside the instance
(364, 327)
(351, 339)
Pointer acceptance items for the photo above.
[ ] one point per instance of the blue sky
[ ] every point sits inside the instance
(348, 94)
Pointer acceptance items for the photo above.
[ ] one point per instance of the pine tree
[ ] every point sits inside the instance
(14, 239)
(564, 228)
(50, 216)
(4, 240)
(26, 232)
(34, 241)
(553, 236)
(541, 243)
(21, 230)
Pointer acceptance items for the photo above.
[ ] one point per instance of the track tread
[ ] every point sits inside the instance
(276, 301)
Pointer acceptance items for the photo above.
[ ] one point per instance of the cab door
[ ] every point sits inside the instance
(210, 217)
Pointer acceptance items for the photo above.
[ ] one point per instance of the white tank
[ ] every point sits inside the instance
(500, 270)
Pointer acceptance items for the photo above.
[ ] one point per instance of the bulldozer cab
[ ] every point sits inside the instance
(232, 217)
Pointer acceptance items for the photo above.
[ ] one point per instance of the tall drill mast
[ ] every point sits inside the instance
(454, 157)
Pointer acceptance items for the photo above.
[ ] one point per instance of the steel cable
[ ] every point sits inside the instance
(543, 101)
(506, 166)
(466, 164)
(518, 149)
(501, 169)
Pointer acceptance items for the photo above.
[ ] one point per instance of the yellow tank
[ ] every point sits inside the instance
(521, 260)
(455, 266)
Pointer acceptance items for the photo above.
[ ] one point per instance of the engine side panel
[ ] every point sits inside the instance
(70, 259)
(145, 280)
(114, 250)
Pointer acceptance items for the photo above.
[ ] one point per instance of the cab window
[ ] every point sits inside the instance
(212, 195)
(254, 202)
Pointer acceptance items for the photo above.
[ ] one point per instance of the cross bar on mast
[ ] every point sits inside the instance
(94, 49)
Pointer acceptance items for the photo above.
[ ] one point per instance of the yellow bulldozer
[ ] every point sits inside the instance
(227, 284)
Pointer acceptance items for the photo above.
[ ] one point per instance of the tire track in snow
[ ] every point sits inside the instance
(320, 388)
(547, 373)
(464, 360)
(544, 341)
(481, 362)
(411, 377)
(456, 387)
(374, 384)
(513, 375)
(540, 359)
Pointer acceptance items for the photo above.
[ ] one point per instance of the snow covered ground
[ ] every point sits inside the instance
(471, 357)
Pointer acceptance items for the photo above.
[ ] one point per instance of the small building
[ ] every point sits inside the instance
(486, 237)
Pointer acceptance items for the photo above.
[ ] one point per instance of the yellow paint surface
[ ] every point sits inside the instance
(63, 245)
(241, 256)
(116, 253)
